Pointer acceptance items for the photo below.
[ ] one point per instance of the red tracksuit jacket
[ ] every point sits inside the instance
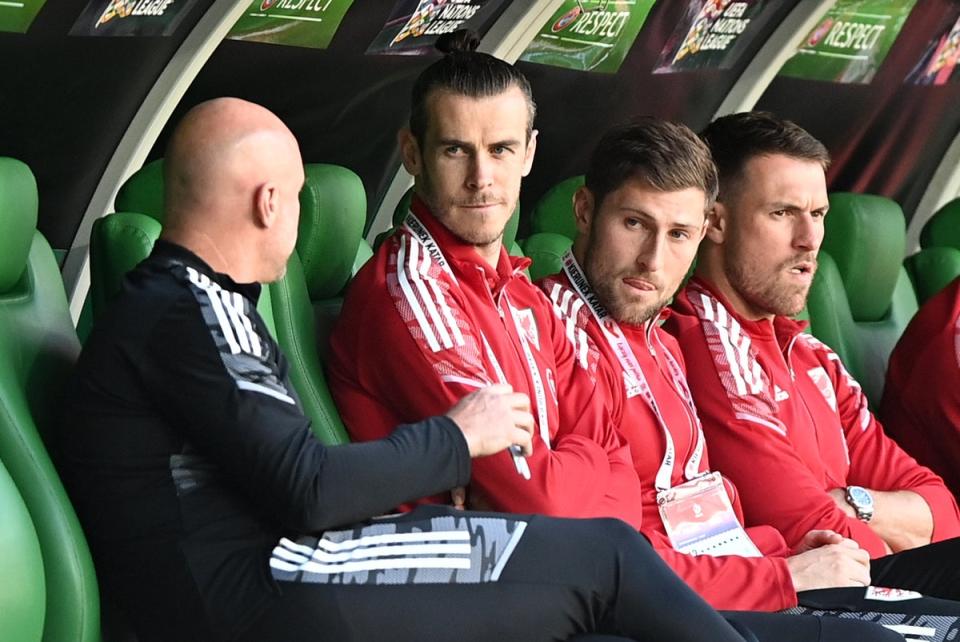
(787, 423)
(411, 341)
(921, 399)
(729, 582)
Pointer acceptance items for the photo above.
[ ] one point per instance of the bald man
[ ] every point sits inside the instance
(212, 512)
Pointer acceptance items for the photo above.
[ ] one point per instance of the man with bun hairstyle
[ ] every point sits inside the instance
(442, 310)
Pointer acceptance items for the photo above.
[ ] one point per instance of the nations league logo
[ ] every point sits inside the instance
(116, 9)
(127, 8)
(420, 20)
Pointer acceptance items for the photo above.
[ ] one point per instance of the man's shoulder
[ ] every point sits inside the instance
(147, 296)
(566, 302)
(153, 308)
(685, 317)
(368, 288)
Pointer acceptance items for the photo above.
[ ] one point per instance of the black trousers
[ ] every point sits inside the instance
(933, 570)
(565, 578)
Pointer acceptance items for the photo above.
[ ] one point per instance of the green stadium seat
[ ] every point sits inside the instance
(552, 228)
(932, 269)
(307, 300)
(862, 299)
(943, 228)
(938, 262)
(38, 348)
(23, 591)
(546, 250)
(554, 211)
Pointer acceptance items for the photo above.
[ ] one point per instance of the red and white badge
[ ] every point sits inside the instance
(700, 520)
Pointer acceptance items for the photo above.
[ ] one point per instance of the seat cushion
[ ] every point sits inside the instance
(23, 590)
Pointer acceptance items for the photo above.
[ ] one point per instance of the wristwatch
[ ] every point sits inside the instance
(862, 502)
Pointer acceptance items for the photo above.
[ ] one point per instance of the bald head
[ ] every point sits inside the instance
(219, 150)
(233, 173)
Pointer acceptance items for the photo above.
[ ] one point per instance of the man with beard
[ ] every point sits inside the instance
(784, 419)
(442, 309)
(641, 216)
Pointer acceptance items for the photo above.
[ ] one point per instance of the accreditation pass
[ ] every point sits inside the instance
(700, 520)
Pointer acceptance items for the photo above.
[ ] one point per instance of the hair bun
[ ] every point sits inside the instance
(461, 40)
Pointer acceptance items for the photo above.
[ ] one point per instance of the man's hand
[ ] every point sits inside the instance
(493, 419)
(830, 566)
(816, 539)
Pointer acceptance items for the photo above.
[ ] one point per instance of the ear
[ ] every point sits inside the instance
(410, 152)
(583, 209)
(266, 205)
(529, 153)
(716, 224)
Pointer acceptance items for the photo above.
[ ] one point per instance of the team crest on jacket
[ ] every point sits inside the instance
(820, 377)
(528, 325)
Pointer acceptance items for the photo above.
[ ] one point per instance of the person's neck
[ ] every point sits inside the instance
(490, 253)
(714, 272)
(221, 257)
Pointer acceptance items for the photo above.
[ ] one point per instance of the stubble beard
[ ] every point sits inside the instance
(767, 293)
(471, 233)
(604, 282)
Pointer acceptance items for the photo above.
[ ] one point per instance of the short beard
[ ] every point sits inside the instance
(474, 237)
(769, 295)
(604, 285)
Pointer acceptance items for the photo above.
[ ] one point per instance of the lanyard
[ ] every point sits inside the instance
(422, 234)
(635, 382)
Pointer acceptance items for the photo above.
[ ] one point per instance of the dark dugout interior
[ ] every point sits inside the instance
(67, 100)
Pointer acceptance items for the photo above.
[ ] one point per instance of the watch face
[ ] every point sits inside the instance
(860, 496)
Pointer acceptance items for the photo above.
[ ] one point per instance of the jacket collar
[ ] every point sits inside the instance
(170, 254)
(782, 329)
(462, 256)
(642, 332)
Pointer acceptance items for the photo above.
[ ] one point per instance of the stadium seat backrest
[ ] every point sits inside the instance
(554, 211)
(143, 191)
(307, 300)
(22, 591)
(38, 348)
(546, 250)
(943, 228)
(932, 269)
(862, 298)
(938, 262)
